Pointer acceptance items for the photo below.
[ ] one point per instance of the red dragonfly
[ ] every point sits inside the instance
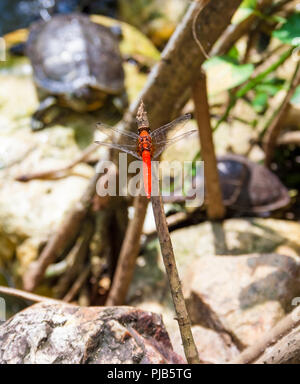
(146, 145)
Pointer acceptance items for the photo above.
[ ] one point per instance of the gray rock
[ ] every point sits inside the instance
(244, 296)
(233, 239)
(67, 334)
(213, 347)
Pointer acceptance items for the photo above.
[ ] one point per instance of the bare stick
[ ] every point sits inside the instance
(27, 296)
(56, 173)
(282, 328)
(273, 130)
(76, 259)
(195, 35)
(215, 206)
(127, 259)
(184, 323)
(285, 351)
(77, 284)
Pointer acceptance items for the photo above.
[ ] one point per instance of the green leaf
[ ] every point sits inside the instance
(260, 102)
(289, 32)
(234, 53)
(296, 98)
(270, 86)
(224, 73)
(245, 10)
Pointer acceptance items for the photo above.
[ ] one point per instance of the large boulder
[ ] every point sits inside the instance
(235, 237)
(67, 334)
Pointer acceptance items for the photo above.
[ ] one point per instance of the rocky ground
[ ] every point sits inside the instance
(239, 279)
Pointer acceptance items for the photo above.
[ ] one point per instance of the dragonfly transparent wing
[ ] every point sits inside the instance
(161, 146)
(130, 149)
(129, 140)
(160, 134)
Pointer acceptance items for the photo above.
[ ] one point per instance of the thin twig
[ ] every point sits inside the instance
(285, 351)
(100, 250)
(215, 206)
(195, 34)
(273, 131)
(76, 260)
(183, 319)
(27, 296)
(77, 284)
(127, 259)
(57, 173)
(282, 328)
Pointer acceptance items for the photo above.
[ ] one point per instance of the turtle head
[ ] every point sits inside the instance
(84, 99)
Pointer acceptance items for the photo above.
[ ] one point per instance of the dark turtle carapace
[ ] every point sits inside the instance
(248, 187)
(76, 64)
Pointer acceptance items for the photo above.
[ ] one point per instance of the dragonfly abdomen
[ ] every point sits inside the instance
(146, 156)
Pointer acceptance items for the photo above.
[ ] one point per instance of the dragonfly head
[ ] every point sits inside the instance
(144, 130)
(142, 117)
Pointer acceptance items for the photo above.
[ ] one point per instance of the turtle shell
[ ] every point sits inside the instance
(250, 187)
(69, 52)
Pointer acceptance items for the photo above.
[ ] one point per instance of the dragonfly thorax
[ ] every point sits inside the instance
(145, 142)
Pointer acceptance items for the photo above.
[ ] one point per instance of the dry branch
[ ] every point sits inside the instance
(76, 260)
(79, 282)
(285, 351)
(273, 131)
(57, 173)
(272, 338)
(129, 252)
(215, 206)
(64, 236)
(183, 319)
(27, 296)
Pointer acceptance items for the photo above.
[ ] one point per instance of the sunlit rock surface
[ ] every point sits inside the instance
(244, 296)
(49, 334)
(272, 278)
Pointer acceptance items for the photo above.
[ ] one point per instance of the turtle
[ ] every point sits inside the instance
(248, 187)
(76, 64)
